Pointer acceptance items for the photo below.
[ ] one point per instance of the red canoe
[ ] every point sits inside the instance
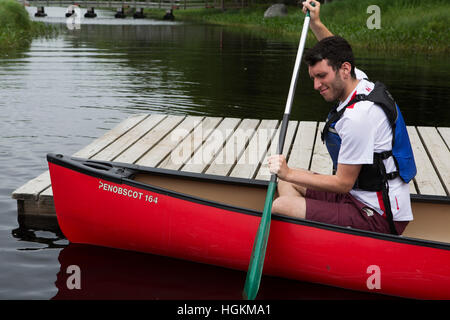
(214, 219)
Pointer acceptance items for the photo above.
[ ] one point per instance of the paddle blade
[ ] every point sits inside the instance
(259, 248)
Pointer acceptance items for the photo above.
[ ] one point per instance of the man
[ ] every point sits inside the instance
(359, 138)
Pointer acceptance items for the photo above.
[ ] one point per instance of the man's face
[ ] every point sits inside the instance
(327, 81)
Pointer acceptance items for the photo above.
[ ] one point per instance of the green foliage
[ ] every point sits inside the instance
(405, 24)
(13, 15)
(16, 28)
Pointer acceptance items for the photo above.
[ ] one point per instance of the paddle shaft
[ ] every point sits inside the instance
(259, 247)
(293, 86)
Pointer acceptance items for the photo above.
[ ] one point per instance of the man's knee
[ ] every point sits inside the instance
(290, 206)
(277, 205)
(283, 187)
(282, 183)
(290, 189)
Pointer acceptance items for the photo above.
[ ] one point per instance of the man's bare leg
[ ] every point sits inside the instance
(291, 201)
(290, 189)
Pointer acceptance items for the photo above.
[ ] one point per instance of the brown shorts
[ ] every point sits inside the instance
(344, 210)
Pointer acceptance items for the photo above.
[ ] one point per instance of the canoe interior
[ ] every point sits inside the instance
(431, 220)
(249, 197)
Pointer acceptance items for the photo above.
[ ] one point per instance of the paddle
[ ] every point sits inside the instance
(259, 246)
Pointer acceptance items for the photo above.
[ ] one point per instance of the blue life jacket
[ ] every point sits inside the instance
(373, 177)
(401, 147)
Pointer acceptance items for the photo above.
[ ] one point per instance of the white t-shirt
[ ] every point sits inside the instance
(364, 129)
(360, 74)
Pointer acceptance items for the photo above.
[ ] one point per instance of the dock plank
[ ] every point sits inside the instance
(110, 136)
(184, 150)
(205, 155)
(301, 152)
(257, 147)
(234, 147)
(412, 187)
(439, 154)
(32, 189)
(136, 144)
(263, 172)
(321, 161)
(426, 178)
(445, 134)
(163, 148)
(112, 151)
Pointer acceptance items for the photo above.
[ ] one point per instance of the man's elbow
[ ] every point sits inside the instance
(346, 186)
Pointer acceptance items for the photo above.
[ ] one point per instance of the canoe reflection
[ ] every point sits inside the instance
(117, 274)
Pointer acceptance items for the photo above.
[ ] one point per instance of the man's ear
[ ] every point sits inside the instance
(346, 69)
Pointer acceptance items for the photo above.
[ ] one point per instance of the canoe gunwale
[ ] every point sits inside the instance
(430, 198)
(79, 163)
(129, 170)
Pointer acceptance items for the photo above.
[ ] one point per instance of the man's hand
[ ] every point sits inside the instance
(314, 12)
(317, 27)
(278, 166)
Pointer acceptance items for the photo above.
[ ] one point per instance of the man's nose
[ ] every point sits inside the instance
(317, 84)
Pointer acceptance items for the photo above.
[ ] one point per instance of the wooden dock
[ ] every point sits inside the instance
(229, 147)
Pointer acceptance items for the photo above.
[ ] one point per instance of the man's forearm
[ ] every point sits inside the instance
(310, 180)
(320, 30)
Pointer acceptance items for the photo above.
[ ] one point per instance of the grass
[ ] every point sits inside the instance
(16, 28)
(406, 25)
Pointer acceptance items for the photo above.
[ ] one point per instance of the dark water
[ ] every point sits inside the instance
(61, 93)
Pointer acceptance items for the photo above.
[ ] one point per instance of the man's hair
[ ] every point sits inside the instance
(335, 49)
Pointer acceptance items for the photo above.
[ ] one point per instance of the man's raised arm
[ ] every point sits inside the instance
(317, 27)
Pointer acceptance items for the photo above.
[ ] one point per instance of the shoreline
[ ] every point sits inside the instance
(17, 30)
(404, 26)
